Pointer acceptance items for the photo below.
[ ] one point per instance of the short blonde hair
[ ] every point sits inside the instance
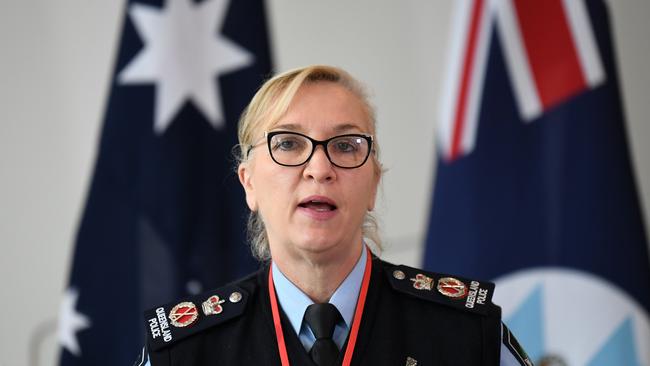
(266, 108)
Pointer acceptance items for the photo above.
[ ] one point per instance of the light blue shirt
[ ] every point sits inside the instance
(294, 302)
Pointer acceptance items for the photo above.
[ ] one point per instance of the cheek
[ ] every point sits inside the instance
(274, 191)
(362, 191)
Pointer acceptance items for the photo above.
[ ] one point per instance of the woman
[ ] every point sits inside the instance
(310, 170)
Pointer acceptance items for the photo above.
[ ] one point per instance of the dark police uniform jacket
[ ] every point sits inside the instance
(407, 320)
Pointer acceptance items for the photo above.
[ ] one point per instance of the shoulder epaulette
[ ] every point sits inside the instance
(462, 293)
(172, 322)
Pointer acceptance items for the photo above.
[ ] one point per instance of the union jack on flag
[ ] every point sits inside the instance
(550, 52)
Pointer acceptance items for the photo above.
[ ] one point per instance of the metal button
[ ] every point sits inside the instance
(399, 274)
(235, 297)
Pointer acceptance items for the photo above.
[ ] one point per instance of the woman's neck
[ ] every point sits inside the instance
(318, 277)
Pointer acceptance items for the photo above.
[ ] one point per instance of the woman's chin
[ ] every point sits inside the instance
(321, 244)
(317, 245)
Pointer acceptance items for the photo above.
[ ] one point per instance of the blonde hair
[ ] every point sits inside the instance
(266, 108)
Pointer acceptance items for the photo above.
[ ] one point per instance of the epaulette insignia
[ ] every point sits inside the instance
(458, 292)
(170, 323)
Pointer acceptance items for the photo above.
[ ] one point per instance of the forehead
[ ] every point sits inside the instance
(325, 107)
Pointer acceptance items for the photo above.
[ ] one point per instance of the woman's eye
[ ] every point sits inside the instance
(286, 145)
(345, 146)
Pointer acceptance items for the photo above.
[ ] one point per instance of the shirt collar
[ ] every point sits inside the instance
(294, 302)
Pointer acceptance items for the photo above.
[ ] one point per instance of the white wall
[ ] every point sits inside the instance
(55, 60)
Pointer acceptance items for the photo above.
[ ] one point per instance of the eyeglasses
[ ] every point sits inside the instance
(294, 149)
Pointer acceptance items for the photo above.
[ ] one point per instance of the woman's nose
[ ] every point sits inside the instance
(319, 167)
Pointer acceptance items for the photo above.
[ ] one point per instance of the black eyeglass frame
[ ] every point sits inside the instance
(315, 143)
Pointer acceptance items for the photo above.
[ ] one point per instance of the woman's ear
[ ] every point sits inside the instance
(244, 173)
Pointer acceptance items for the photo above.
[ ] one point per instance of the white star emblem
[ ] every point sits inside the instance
(71, 322)
(182, 55)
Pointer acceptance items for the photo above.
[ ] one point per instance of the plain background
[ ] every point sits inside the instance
(55, 62)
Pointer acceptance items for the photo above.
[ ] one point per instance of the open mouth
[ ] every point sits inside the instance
(318, 204)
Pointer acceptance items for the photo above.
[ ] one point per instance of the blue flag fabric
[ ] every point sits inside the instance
(165, 215)
(545, 202)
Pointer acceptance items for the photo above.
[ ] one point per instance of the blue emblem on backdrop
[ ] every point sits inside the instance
(534, 186)
(165, 214)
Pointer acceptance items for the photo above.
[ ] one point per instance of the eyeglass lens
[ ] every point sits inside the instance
(347, 151)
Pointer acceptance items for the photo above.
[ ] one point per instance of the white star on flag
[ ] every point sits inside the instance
(71, 322)
(183, 52)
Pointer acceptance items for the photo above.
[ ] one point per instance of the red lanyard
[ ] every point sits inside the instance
(354, 332)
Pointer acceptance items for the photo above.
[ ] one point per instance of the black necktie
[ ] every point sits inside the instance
(322, 318)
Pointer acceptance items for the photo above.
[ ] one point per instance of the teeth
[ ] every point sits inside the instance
(320, 206)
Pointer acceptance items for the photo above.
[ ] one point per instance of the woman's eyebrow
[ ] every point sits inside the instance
(346, 127)
(288, 127)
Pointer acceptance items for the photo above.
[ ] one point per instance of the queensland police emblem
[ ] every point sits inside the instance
(422, 282)
(606, 326)
(183, 314)
(452, 287)
(212, 306)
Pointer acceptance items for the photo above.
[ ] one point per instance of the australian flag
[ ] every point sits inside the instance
(534, 186)
(165, 215)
